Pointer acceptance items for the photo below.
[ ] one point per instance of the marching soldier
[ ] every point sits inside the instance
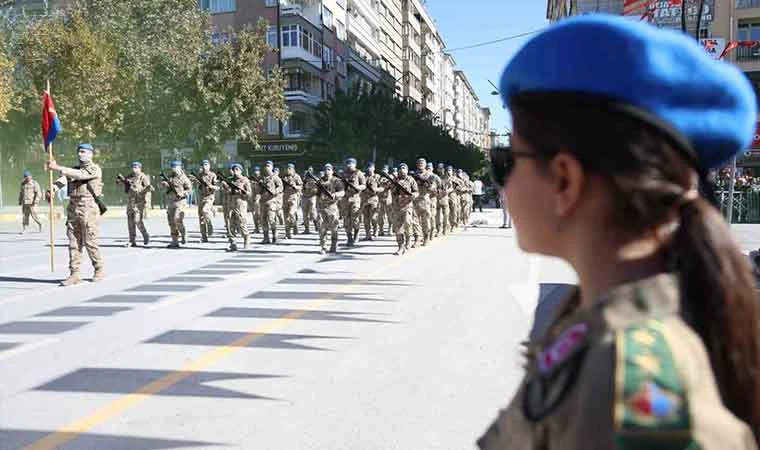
(394, 203)
(238, 189)
(28, 198)
(309, 202)
(178, 187)
(137, 186)
(422, 202)
(207, 187)
(454, 202)
(445, 189)
(355, 183)
(255, 203)
(385, 206)
(280, 214)
(330, 192)
(292, 187)
(371, 202)
(465, 196)
(85, 186)
(404, 193)
(271, 203)
(433, 200)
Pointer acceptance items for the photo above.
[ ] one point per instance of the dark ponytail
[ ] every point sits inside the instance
(652, 184)
(720, 303)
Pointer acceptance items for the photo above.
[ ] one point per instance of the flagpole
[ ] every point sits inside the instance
(52, 199)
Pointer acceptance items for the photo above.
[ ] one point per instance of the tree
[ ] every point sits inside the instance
(6, 83)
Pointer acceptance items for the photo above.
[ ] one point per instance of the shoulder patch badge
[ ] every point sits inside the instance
(562, 347)
(651, 407)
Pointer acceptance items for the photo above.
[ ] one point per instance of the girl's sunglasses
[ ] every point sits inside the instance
(503, 161)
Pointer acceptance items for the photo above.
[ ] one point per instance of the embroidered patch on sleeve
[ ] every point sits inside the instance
(651, 407)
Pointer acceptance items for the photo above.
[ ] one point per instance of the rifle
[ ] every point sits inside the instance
(346, 183)
(419, 179)
(120, 179)
(230, 184)
(395, 183)
(262, 184)
(288, 183)
(200, 180)
(319, 184)
(171, 188)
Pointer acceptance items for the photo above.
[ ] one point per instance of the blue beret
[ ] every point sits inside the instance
(450, 168)
(662, 77)
(205, 161)
(276, 170)
(421, 160)
(403, 166)
(429, 165)
(86, 147)
(370, 164)
(176, 164)
(351, 161)
(441, 166)
(136, 164)
(269, 163)
(236, 165)
(291, 166)
(328, 166)
(256, 169)
(27, 173)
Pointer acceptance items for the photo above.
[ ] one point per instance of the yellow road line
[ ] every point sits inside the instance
(71, 431)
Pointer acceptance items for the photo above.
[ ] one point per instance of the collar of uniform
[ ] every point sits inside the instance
(654, 296)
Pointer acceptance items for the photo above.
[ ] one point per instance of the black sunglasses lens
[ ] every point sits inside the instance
(502, 162)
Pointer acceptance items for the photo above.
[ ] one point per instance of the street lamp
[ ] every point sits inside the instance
(496, 90)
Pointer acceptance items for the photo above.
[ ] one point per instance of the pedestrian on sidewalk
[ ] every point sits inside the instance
(477, 195)
(659, 346)
(28, 198)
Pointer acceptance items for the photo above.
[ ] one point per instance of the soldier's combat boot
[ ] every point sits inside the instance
(146, 239)
(274, 236)
(414, 243)
(287, 232)
(133, 244)
(173, 245)
(72, 280)
(406, 243)
(39, 228)
(245, 242)
(98, 275)
(184, 241)
(334, 246)
(232, 247)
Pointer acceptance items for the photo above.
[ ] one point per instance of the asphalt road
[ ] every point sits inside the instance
(276, 347)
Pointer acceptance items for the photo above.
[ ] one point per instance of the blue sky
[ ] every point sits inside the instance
(480, 21)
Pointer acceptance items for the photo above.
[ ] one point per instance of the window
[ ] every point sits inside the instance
(290, 35)
(297, 123)
(272, 36)
(273, 126)
(306, 39)
(327, 57)
(270, 3)
(327, 17)
(340, 30)
(218, 6)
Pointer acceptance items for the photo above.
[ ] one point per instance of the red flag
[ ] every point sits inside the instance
(731, 45)
(51, 125)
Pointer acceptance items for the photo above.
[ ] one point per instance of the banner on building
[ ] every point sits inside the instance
(714, 47)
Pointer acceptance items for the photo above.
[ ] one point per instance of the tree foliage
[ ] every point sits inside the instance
(6, 83)
(360, 123)
(142, 75)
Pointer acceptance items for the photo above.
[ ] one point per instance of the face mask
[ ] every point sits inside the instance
(328, 173)
(177, 170)
(403, 172)
(267, 171)
(135, 170)
(206, 167)
(85, 157)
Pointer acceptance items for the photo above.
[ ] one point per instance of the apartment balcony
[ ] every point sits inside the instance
(309, 14)
(744, 4)
(748, 59)
(430, 84)
(302, 97)
(302, 54)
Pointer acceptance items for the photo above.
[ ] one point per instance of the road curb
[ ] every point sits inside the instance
(112, 213)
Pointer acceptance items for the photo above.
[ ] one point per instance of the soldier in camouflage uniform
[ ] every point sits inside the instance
(280, 213)
(422, 202)
(385, 214)
(137, 186)
(404, 195)
(178, 188)
(84, 183)
(465, 197)
(433, 200)
(355, 182)
(445, 189)
(207, 187)
(327, 203)
(28, 198)
(454, 202)
(255, 202)
(292, 187)
(271, 203)
(371, 202)
(309, 203)
(239, 190)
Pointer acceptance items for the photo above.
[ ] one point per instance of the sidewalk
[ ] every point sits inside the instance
(13, 214)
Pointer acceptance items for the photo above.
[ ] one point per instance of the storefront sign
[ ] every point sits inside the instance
(667, 13)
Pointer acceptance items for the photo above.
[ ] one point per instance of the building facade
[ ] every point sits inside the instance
(467, 111)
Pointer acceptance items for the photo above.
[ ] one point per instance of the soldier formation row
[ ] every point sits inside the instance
(420, 204)
(414, 206)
